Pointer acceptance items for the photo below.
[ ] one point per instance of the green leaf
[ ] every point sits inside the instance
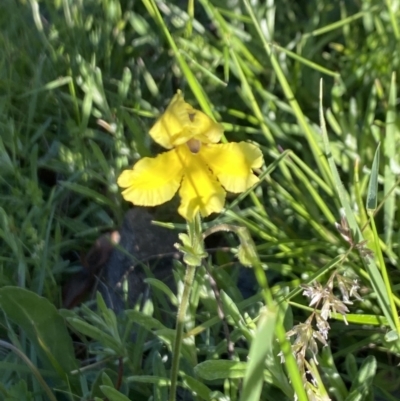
(196, 386)
(260, 347)
(164, 288)
(18, 392)
(392, 336)
(390, 149)
(362, 384)
(6, 164)
(370, 264)
(41, 322)
(88, 193)
(106, 380)
(247, 253)
(99, 156)
(232, 311)
(222, 369)
(160, 391)
(351, 366)
(372, 194)
(109, 317)
(148, 322)
(96, 333)
(188, 349)
(113, 394)
(161, 381)
(333, 379)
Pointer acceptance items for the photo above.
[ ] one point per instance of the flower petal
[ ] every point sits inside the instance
(173, 127)
(181, 122)
(205, 129)
(232, 164)
(200, 190)
(153, 180)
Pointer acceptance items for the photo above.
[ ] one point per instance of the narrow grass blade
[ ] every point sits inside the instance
(42, 324)
(390, 153)
(371, 267)
(308, 131)
(191, 79)
(260, 347)
(113, 394)
(362, 383)
(372, 194)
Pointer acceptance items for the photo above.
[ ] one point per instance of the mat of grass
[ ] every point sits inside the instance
(312, 83)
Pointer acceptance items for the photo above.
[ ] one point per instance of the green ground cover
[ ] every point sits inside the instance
(314, 85)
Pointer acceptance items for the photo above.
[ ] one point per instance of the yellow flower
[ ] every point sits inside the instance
(203, 168)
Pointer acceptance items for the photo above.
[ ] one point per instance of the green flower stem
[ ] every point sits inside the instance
(194, 254)
(180, 322)
(248, 255)
(290, 362)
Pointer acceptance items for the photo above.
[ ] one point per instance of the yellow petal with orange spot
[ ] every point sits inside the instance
(174, 124)
(200, 191)
(152, 181)
(232, 163)
(181, 122)
(205, 129)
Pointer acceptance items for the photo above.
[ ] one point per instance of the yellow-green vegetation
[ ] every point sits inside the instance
(271, 125)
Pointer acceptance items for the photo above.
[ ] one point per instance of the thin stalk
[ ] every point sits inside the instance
(290, 362)
(385, 274)
(197, 90)
(180, 322)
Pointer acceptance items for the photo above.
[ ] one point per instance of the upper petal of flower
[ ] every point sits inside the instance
(174, 123)
(181, 122)
(200, 190)
(152, 181)
(205, 129)
(232, 163)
